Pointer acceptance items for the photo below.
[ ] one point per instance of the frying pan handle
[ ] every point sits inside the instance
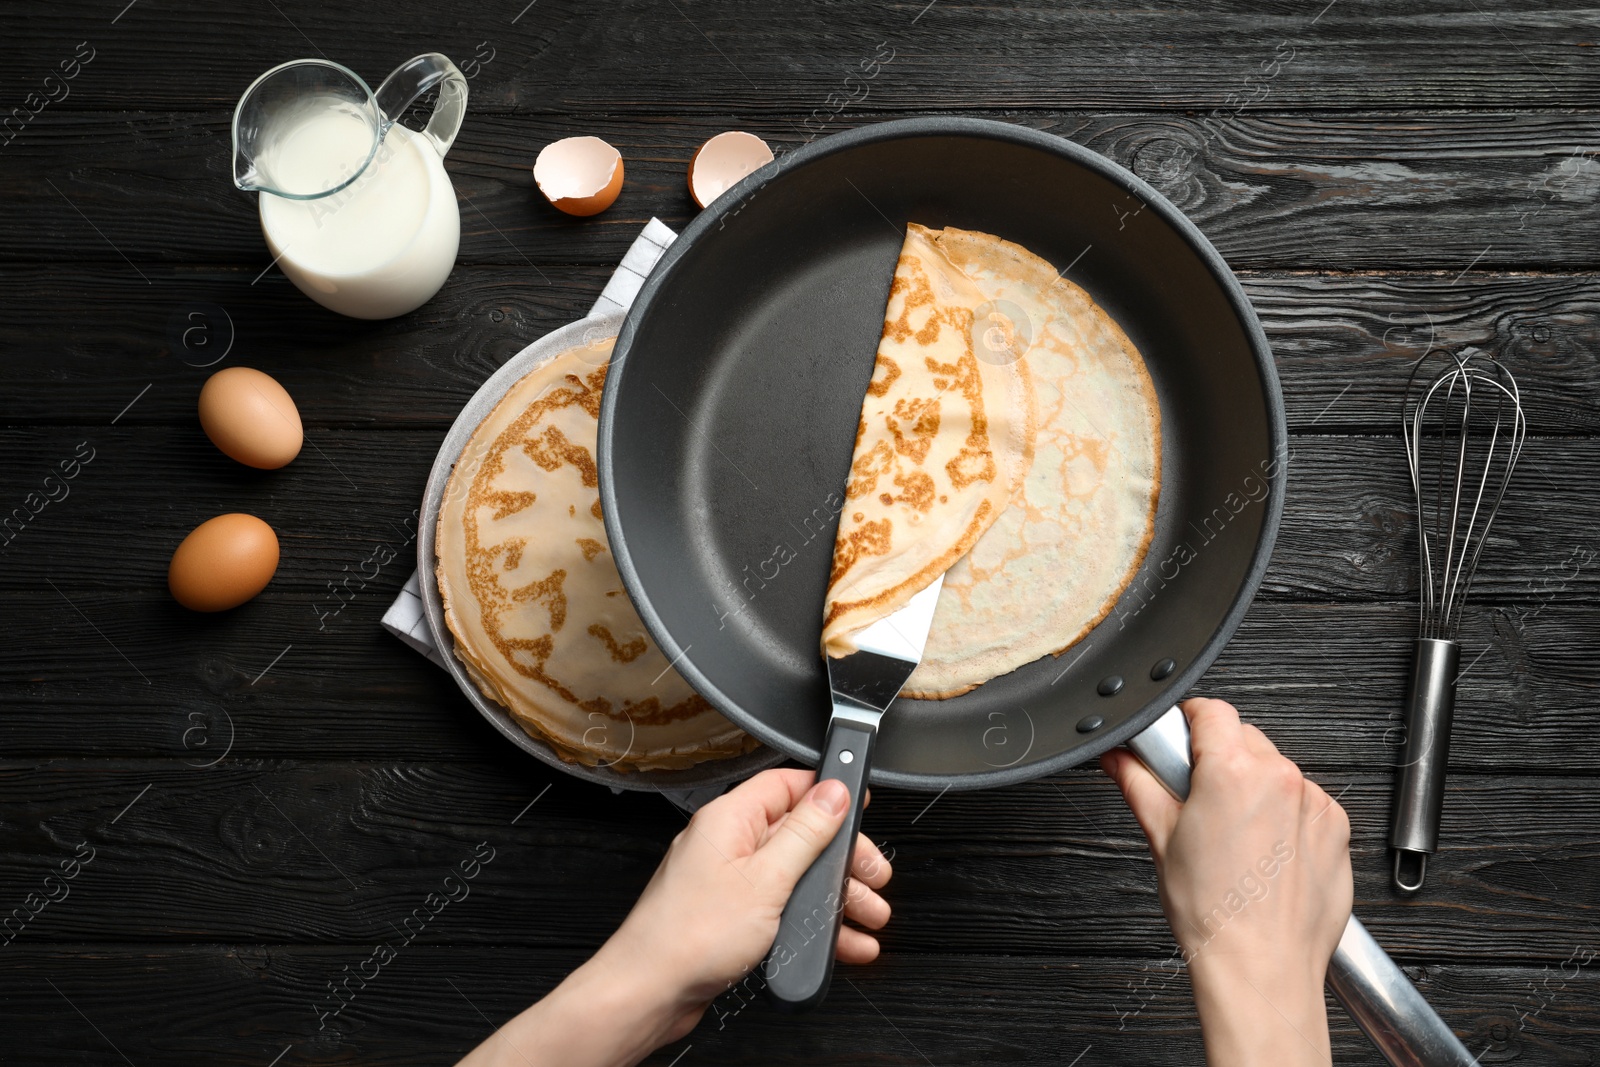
(1374, 991)
(798, 968)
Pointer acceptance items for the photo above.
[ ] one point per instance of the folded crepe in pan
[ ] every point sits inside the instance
(541, 620)
(944, 440)
(1055, 562)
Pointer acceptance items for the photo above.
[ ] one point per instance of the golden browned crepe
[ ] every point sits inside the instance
(541, 620)
(1057, 559)
(945, 439)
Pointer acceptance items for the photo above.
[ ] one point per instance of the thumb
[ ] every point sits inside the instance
(805, 832)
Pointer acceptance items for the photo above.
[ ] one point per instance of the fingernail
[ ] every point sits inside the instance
(830, 795)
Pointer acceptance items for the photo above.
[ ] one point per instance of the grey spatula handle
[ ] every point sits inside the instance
(1374, 991)
(800, 965)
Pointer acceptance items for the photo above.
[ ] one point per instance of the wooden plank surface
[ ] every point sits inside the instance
(1327, 331)
(1385, 178)
(1324, 680)
(720, 57)
(1347, 531)
(434, 1001)
(291, 852)
(1366, 190)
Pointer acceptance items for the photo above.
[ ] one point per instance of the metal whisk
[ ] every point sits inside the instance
(1464, 430)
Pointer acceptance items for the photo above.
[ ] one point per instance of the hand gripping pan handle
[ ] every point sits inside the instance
(1374, 991)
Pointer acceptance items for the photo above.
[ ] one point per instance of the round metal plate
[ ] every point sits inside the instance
(715, 772)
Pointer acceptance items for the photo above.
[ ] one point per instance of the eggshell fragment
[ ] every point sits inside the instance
(718, 164)
(251, 418)
(579, 175)
(223, 562)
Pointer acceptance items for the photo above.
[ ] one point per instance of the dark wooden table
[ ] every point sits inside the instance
(266, 795)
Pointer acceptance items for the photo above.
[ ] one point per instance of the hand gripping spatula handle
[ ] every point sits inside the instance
(864, 684)
(1374, 991)
(800, 966)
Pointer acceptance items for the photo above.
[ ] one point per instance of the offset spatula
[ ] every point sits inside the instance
(864, 684)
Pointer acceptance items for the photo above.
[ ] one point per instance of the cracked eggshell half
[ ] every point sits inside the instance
(718, 164)
(579, 175)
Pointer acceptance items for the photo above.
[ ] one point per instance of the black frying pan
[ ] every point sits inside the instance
(729, 418)
(730, 413)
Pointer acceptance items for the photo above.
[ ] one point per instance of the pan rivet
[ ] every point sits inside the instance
(1110, 685)
(1090, 723)
(847, 756)
(1162, 669)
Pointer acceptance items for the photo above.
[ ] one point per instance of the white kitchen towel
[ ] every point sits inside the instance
(628, 278)
(405, 618)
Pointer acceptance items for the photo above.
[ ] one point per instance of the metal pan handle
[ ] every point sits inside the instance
(1373, 990)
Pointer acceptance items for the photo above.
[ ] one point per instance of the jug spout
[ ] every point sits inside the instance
(305, 129)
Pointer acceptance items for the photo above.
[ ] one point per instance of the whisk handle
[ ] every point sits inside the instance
(1372, 988)
(1419, 789)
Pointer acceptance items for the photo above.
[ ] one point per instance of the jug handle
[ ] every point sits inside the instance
(417, 76)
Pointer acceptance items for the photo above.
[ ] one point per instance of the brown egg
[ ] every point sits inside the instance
(223, 562)
(718, 164)
(251, 418)
(579, 175)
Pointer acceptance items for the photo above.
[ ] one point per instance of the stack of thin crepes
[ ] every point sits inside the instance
(541, 620)
(1010, 438)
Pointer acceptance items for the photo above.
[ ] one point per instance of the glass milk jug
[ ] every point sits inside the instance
(357, 209)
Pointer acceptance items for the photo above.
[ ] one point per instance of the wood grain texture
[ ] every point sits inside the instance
(1384, 178)
(1440, 191)
(417, 372)
(1343, 342)
(1324, 680)
(1347, 531)
(724, 57)
(243, 1004)
(294, 852)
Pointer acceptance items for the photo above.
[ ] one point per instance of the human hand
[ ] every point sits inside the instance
(712, 910)
(1254, 873)
(707, 916)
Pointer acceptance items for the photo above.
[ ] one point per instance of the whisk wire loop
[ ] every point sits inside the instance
(1478, 434)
